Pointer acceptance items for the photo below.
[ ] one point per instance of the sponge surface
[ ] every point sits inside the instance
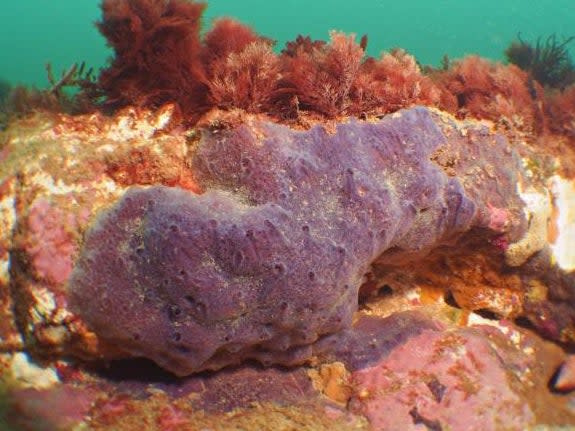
(270, 258)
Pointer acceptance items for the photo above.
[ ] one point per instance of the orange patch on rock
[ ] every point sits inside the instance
(332, 380)
(477, 284)
(140, 166)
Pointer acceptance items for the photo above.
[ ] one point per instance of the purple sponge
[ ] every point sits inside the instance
(270, 258)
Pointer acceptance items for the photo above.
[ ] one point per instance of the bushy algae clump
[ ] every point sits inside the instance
(161, 57)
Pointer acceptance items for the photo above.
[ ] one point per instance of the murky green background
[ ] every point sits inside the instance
(33, 32)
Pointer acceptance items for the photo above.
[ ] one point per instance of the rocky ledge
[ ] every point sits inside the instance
(405, 272)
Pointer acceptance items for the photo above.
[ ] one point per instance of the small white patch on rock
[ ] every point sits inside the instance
(7, 223)
(58, 187)
(564, 199)
(134, 124)
(45, 305)
(29, 375)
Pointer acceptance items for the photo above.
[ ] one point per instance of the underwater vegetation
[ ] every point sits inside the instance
(161, 56)
(547, 62)
(478, 88)
(61, 96)
(157, 46)
(562, 111)
(4, 90)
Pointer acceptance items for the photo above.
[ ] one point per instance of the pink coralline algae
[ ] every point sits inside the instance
(270, 257)
(435, 381)
(51, 244)
(61, 408)
(371, 339)
(498, 218)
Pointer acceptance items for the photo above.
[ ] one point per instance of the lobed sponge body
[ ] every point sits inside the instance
(271, 257)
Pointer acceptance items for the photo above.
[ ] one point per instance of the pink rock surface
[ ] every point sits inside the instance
(51, 244)
(61, 408)
(453, 380)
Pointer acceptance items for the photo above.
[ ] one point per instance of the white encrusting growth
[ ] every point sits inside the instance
(563, 247)
(537, 210)
(30, 375)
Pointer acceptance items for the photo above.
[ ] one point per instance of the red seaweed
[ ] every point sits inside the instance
(157, 53)
(322, 77)
(161, 57)
(393, 82)
(245, 79)
(493, 91)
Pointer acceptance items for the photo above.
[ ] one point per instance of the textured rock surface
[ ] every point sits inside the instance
(10, 337)
(272, 255)
(61, 408)
(65, 180)
(434, 377)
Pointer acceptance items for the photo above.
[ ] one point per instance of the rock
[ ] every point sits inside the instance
(372, 338)
(564, 380)
(56, 173)
(450, 380)
(60, 408)
(10, 337)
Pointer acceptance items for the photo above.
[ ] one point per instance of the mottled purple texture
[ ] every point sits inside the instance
(242, 387)
(58, 408)
(221, 391)
(270, 258)
(371, 339)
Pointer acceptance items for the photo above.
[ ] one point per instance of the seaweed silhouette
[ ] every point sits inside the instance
(547, 61)
(20, 100)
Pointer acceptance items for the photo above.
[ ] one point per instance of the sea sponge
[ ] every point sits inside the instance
(271, 256)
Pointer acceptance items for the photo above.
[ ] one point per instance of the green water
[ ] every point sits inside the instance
(33, 32)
